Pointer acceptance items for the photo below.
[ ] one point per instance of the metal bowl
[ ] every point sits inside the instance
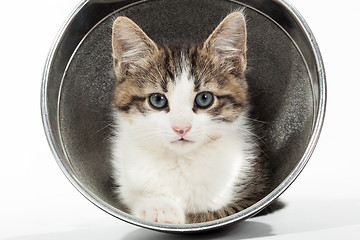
(286, 81)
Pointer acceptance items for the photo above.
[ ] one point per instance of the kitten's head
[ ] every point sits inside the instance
(184, 96)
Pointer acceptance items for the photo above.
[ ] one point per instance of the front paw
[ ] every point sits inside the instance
(160, 211)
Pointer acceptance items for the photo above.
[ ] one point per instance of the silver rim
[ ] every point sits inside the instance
(320, 113)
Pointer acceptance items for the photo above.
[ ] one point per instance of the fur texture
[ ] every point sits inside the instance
(183, 163)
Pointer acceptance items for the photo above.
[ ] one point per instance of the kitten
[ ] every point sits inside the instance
(183, 150)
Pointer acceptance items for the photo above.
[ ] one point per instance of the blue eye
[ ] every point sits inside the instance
(158, 101)
(204, 100)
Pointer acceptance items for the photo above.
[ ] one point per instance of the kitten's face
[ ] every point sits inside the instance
(180, 97)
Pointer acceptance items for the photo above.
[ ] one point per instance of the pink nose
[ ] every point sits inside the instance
(182, 130)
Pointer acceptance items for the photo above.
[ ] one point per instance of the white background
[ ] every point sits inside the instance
(38, 202)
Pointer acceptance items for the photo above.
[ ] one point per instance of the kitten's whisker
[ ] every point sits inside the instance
(99, 130)
(256, 137)
(251, 138)
(254, 120)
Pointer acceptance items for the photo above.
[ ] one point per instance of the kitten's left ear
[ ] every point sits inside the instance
(227, 44)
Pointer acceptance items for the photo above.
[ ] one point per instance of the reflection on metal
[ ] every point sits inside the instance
(286, 81)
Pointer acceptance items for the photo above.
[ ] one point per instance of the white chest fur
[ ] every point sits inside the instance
(200, 181)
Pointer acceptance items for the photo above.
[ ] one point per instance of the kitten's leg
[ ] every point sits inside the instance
(159, 209)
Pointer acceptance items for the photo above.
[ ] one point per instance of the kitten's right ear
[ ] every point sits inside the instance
(131, 46)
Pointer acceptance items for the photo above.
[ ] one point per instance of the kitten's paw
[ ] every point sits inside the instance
(161, 211)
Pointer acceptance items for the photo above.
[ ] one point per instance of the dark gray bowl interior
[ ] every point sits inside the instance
(79, 84)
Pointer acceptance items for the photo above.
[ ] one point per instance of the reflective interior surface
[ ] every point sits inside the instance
(285, 76)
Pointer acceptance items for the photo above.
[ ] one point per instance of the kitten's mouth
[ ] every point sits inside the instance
(182, 141)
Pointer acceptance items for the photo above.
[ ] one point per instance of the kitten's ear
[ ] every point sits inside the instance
(131, 46)
(227, 44)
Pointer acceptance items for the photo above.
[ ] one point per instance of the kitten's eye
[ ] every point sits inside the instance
(204, 99)
(158, 101)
